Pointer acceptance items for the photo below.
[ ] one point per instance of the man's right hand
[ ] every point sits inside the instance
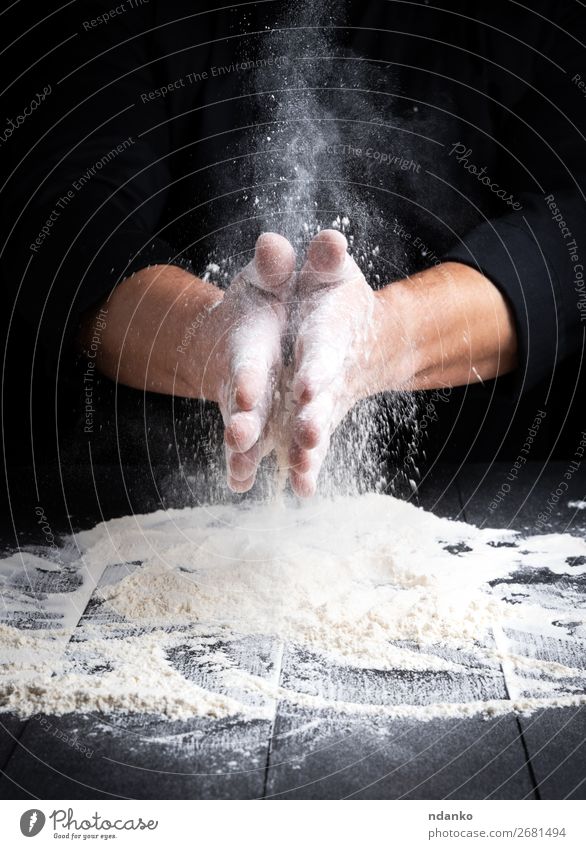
(247, 357)
(168, 331)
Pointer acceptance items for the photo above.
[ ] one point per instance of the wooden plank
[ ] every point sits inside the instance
(319, 756)
(11, 728)
(138, 757)
(439, 492)
(536, 491)
(556, 742)
(141, 756)
(553, 737)
(327, 754)
(315, 753)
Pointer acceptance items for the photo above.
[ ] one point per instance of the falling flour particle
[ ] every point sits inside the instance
(362, 589)
(211, 272)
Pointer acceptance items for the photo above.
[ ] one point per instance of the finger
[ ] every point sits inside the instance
(327, 260)
(325, 332)
(255, 354)
(303, 485)
(273, 266)
(311, 437)
(304, 481)
(249, 384)
(275, 261)
(319, 361)
(321, 349)
(241, 486)
(315, 421)
(243, 430)
(242, 466)
(304, 477)
(300, 460)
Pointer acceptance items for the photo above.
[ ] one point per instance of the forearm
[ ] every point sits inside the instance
(154, 333)
(448, 326)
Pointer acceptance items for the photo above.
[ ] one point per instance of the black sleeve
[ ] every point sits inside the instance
(87, 191)
(536, 255)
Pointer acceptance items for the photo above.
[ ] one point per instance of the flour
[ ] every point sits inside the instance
(577, 505)
(194, 608)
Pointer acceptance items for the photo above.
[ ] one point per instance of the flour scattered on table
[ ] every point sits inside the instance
(366, 605)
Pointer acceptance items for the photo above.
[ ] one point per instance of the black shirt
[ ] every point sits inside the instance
(175, 133)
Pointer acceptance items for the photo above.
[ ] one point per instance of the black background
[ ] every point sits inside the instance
(41, 416)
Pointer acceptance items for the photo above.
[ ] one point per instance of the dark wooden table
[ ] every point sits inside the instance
(301, 752)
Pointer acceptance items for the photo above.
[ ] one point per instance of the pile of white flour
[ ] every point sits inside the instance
(194, 608)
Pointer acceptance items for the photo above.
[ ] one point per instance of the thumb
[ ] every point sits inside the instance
(328, 262)
(273, 268)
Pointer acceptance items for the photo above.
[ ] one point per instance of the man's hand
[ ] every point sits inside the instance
(335, 335)
(168, 331)
(447, 326)
(248, 355)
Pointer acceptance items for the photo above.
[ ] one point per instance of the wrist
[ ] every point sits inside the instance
(392, 358)
(198, 343)
(200, 350)
(149, 317)
(446, 326)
